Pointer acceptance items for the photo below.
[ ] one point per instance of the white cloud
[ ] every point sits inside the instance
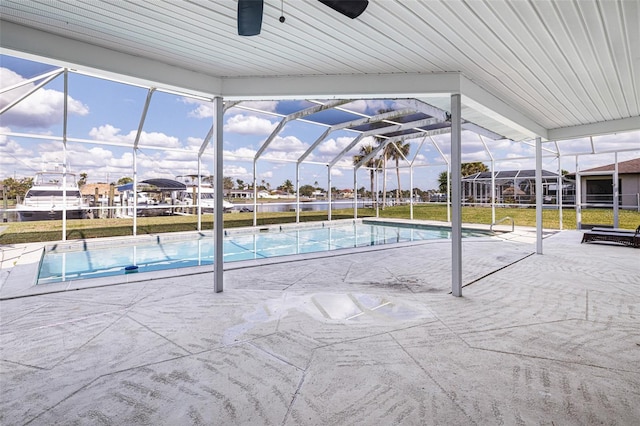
(109, 133)
(43, 108)
(601, 143)
(288, 143)
(281, 155)
(4, 140)
(334, 146)
(83, 157)
(469, 157)
(15, 158)
(268, 106)
(202, 109)
(236, 171)
(249, 125)
(194, 142)
(364, 105)
(243, 153)
(9, 78)
(158, 139)
(106, 133)
(344, 163)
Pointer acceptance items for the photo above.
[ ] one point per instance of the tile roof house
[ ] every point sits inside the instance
(88, 191)
(624, 167)
(597, 184)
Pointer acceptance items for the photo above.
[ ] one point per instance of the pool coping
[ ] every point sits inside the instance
(21, 279)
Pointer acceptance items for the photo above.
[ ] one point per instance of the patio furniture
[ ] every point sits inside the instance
(625, 237)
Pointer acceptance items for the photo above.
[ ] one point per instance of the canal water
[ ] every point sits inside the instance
(10, 215)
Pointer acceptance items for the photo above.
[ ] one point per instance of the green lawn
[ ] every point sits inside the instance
(23, 232)
(522, 216)
(51, 230)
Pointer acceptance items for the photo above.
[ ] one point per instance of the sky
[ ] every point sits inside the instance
(104, 116)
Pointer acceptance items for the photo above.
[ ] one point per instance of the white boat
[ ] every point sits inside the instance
(50, 195)
(207, 198)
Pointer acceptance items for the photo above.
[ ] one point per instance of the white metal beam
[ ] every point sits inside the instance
(484, 102)
(65, 124)
(616, 193)
(443, 115)
(383, 131)
(359, 122)
(456, 203)
(425, 108)
(218, 225)
(21, 83)
(30, 43)
(143, 117)
(594, 129)
(368, 86)
(207, 139)
(294, 116)
(30, 91)
(538, 196)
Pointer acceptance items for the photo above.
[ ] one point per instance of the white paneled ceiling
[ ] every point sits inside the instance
(551, 68)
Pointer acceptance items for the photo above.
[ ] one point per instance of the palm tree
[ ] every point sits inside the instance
(443, 181)
(386, 154)
(287, 187)
(83, 179)
(365, 150)
(397, 151)
(468, 169)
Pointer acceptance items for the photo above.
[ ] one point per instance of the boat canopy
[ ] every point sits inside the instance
(158, 184)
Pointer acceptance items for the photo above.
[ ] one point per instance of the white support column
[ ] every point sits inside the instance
(538, 195)
(493, 179)
(297, 192)
(578, 197)
(474, 190)
(616, 193)
(456, 204)
(559, 190)
(411, 192)
(255, 193)
(218, 225)
(377, 198)
(493, 191)
(355, 193)
(135, 191)
(448, 194)
(329, 193)
(198, 200)
(64, 155)
(143, 117)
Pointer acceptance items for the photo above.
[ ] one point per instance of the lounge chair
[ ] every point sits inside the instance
(625, 237)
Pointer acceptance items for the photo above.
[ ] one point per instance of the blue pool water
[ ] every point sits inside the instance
(101, 262)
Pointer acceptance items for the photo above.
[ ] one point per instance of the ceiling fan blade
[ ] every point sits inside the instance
(250, 17)
(350, 8)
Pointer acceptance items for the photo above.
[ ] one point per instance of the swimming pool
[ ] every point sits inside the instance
(67, 265)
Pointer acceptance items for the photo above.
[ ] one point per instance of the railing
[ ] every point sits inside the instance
(513, 224)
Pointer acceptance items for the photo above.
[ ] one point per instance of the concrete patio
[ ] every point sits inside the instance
(363, 338)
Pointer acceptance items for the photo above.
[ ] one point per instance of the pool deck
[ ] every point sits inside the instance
(361, 338)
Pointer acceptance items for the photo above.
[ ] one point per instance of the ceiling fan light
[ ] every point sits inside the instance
(250, 17)
(350, 8)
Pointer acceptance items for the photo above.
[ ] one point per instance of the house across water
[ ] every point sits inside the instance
(516, 187)
(597, 189)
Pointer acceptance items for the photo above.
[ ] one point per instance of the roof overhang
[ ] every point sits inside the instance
(47, 42)
(434, 88)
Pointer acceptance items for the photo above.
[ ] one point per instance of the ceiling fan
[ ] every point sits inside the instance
(250, 13)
